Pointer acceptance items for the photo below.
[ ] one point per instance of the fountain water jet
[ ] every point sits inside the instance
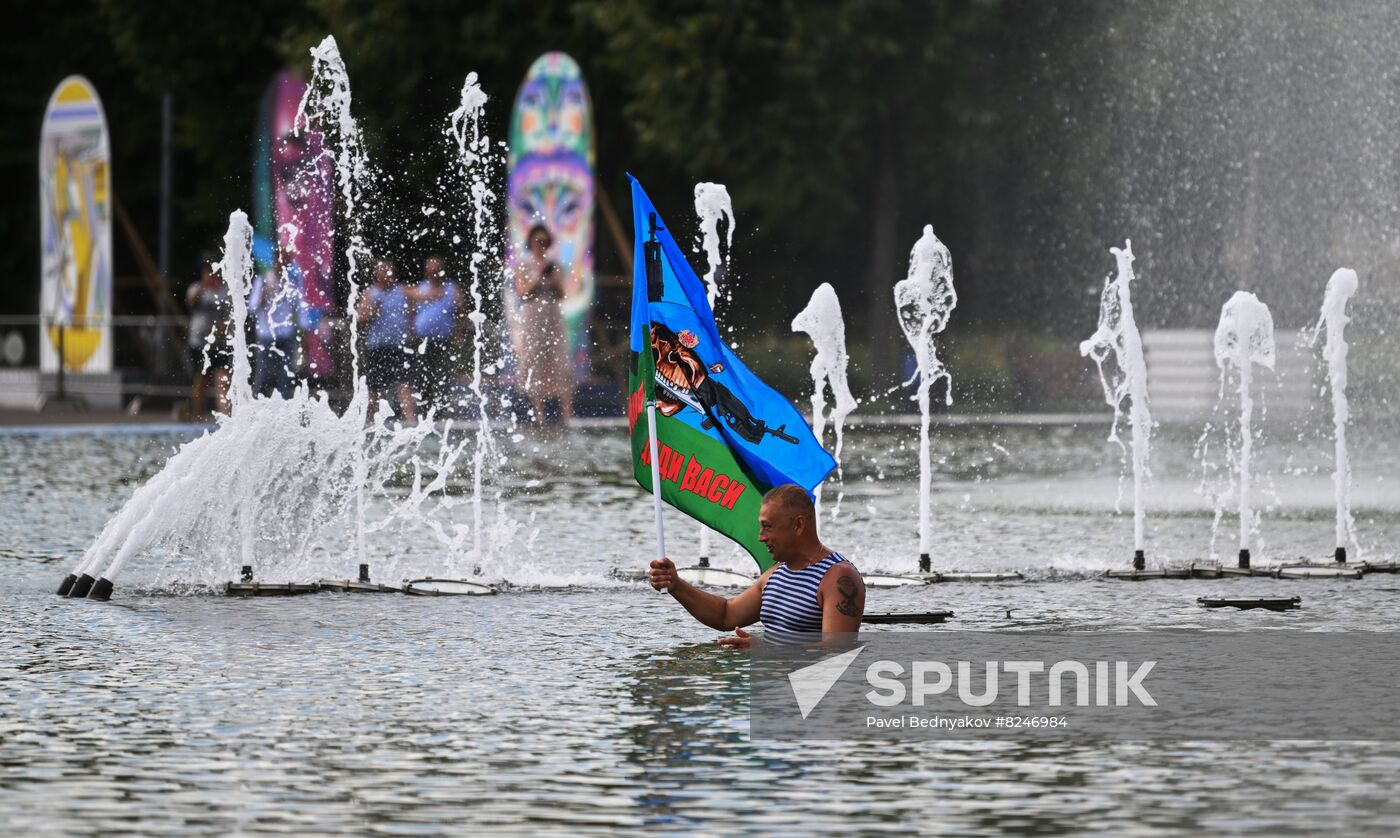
(924, 300)
(1117, 336)
(712, 204)
(327, 101)
(1340, 289)
(305, 471)
(1244, 337)
(822, 322)
(476, 160)
(126, 534)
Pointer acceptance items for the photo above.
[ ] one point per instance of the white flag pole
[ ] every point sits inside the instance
(656, 482)
(651, 253)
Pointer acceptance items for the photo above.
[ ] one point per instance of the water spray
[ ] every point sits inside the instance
(1117, 338)
(1340, 289)
(924, 300)
(305, 471)
(712, 204)
(822, 322)
(476, 160)
(1244, 337)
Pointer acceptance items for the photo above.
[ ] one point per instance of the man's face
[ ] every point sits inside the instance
(778, 529)
(433, 269)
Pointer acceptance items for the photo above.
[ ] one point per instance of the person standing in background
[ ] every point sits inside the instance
(385, 312)
(277, 308)
(439, 319)
(544, 362)
(208, 350)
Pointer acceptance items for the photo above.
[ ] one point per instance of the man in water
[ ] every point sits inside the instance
(810, 589)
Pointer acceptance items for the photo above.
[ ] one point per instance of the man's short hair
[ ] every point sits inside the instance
(792, 499)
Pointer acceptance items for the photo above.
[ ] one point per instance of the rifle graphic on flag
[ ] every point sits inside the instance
(716, 437)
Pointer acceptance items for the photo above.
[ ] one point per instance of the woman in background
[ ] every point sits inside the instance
(545, 370)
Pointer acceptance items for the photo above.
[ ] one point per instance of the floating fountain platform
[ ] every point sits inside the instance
(351, 586)
(976, 576)
(1135, 575)
(1314, 571)
(626, 575)
(446, 587)
(1268, 603)
(695, 575)
(1214, 570)
(913, 618)
(259, 589)
(1380, 567)
(895, 580)
(712, 577)
(356, 586)
(716, 578)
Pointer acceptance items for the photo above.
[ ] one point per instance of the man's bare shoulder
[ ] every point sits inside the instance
(843, 586)
(845, 569)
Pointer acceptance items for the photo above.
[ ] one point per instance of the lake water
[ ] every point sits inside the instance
(573, 703)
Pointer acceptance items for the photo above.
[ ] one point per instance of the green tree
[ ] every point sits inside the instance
(829, 121)
(214, 59)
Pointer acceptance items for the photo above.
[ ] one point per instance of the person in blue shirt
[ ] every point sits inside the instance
(278, 311)
(386, 316)
(439, 320)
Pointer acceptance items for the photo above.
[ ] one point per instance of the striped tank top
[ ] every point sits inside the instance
(789, 610)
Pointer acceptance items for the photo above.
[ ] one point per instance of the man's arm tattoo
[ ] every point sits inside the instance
(849, 590)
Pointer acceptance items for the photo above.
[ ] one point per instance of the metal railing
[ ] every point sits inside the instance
(150, 344)
(150, 360)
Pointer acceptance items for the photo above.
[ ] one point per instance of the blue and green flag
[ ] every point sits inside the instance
(723, 436)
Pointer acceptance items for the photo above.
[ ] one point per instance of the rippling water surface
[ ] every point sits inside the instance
(574, 703)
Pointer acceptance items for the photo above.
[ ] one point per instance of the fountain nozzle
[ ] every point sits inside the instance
(1139, 560)
(1244, 560)
(925, 565)
(246, 573)
(81, 587)
(102, 590)
(364, 573)
(1341, 555)
(704, 561)
(67, 584)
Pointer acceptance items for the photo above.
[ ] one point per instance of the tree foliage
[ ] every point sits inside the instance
(840, 127)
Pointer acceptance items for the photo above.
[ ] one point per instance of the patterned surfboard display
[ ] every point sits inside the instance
(551, 182)
(294, 205)
(75, 231)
